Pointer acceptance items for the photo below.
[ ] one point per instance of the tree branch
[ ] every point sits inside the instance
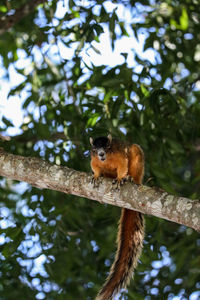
(147, 200)
(6, 22)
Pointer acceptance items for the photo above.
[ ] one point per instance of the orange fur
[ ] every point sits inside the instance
(122, 160)
(115, 166)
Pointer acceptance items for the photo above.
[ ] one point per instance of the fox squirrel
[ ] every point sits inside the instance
(118, 160)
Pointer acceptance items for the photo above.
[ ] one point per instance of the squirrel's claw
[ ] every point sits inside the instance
(96, 181)
(117, 183)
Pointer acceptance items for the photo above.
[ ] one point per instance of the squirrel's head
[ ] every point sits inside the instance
(100, 146)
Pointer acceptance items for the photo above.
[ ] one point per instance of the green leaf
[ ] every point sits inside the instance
(3, 9)
(184, 20)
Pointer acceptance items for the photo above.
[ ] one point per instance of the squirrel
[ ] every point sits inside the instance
(118, 160)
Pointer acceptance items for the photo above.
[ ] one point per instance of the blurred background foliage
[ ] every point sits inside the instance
(56, 246)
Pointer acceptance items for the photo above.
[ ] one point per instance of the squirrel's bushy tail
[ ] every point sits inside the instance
(130, 240)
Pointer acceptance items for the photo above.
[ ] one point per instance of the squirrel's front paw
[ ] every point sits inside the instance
(129, 179)
(95, 181)
(117, 184)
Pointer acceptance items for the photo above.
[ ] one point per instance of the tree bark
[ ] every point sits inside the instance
(147, 200)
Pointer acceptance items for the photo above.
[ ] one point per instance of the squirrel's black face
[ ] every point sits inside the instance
(100, 146)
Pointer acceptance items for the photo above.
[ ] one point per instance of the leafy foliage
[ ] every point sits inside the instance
(56, 246)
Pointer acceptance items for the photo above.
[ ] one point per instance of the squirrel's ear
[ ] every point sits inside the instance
(109, 138)
(91, 141)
